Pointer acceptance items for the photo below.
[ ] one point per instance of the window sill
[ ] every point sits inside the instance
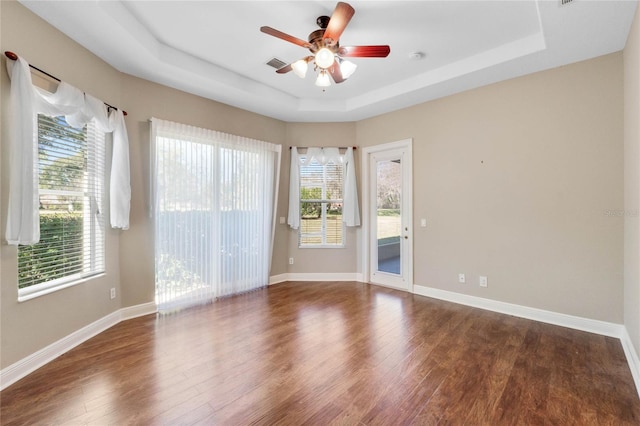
(322, 247)
(32, 294)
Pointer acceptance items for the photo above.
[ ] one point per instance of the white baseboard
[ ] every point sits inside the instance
(29, 364)
(313, 276)
(275, 279)
(138, 311)
(570, 321)
(632, 358)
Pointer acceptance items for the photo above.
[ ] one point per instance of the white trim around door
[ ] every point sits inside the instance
(369, 203)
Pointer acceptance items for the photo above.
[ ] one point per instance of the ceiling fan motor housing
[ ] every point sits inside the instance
(316, 37)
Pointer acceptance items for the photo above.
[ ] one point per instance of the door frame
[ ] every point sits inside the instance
(368, 204)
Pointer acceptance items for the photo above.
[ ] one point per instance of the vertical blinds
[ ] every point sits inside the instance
(71, 187)
(214, 200)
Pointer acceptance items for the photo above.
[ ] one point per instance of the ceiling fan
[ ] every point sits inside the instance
(327, 54)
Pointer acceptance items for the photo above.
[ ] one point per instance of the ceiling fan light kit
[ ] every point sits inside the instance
(300, 68)
(323, 79)
(347, 68)
(325, 47)
(324, 58)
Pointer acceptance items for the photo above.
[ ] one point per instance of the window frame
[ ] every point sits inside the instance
(94, 263)
(324, 203)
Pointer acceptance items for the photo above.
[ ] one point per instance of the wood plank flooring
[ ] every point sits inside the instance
(331, 353)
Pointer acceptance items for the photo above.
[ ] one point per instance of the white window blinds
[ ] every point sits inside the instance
(321, 204)
(71, 187)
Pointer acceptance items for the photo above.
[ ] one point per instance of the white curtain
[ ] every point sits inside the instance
(214, 209)
(27, 101)
(350, 208)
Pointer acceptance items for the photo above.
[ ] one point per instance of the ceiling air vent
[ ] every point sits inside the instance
(277, 63)
(565, 2)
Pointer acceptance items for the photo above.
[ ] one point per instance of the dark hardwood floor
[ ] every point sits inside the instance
(331, 353)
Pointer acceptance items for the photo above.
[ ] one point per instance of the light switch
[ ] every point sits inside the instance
(423, 223)
(282, 220)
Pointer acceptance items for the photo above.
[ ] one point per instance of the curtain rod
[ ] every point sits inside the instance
(14, 57)
(339, 147)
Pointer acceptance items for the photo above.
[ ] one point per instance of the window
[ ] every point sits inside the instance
(71, 187)
(321, 205)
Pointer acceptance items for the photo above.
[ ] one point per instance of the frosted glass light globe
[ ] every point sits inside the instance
(300, 68)
(347, 68)
(324, 58)
(323, 79)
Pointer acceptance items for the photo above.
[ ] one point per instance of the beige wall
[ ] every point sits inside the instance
(325, 260)
(632, 183)
(29, 326)
(514, 180)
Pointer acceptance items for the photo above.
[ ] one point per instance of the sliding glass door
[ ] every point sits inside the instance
(214, 199)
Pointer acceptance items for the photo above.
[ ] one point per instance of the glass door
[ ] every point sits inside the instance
(389, 213)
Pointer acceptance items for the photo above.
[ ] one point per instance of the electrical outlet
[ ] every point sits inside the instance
(113, 293)
(483, 281)
(291, 261)
(461, 278)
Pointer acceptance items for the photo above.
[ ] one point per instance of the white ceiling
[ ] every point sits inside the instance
(215, 49)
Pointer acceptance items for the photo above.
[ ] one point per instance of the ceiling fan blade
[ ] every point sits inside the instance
(364, 51)
(335, 72)
(285, 37)
(284, 69)
(338, 22)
